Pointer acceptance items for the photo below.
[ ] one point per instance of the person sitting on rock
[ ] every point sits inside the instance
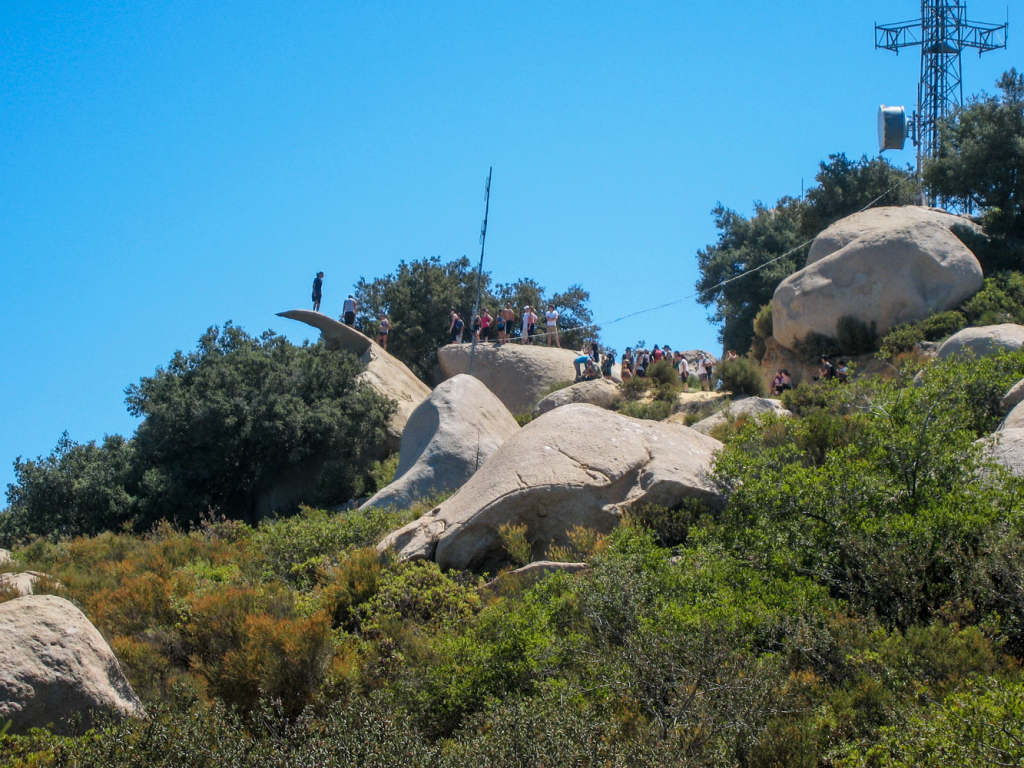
(382, 332)
(776, 388)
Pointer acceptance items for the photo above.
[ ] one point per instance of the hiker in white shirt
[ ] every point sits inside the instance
(552, 318)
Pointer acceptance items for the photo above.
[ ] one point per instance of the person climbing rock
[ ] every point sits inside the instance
(318, 290)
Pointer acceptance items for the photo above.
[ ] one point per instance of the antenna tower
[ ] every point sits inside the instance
(943, 33)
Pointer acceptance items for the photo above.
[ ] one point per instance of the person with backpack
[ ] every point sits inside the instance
(318, 290)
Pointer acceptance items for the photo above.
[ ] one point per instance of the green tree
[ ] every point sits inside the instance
(981, 157)
(417, 298)
(224, 423)
(79, 488)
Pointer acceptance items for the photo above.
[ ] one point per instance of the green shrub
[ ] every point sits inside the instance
(814, 346)
(656, 410)
(936, 327)
(1000, 300)
(855, 337)
(742, 376)
(662, 372)
(382, 473)
(763, 322)
(519, 549)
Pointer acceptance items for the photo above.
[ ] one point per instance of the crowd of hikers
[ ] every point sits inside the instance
(502, 326)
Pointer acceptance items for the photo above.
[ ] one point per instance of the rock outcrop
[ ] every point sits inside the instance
(1013, 397)
(746, 407)
(984, 340)
(447, 438)
(528, 575)
(24, 583)
(5, 556)
(1014, 419)
(516, 373)
(386, 374)
(600, 392)
(54, 665)
(1007, 448)
(577, 465)
(887, 266)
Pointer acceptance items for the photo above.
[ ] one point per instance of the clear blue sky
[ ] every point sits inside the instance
(170, 166)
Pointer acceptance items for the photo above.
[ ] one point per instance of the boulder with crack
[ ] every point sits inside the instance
(578, 465)
(885, 266)
(54, 665)
(447, 438)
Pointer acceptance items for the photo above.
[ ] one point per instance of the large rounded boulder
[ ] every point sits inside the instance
(600, 392)
(886, 266)
(447, 438)
(55, 665)
(578, 465)
(517, 373)
(984, 340)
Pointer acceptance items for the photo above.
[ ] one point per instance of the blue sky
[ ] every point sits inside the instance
(170, 166)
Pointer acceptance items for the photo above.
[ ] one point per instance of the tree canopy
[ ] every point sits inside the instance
(220, 426)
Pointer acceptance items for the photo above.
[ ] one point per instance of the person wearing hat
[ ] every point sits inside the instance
(318, 290)
(349, 311)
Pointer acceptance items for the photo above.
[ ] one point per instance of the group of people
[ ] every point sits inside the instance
(501, 327)
(638, 362)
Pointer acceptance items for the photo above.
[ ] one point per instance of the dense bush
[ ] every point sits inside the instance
(1001, 300)
(742, 376)
(655, 410)
(936, 327)
(220, 426)
(855, 337)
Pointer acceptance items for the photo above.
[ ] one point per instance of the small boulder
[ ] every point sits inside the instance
(528, 575)
(600, 392)
(516, 373)
(896, 267)
(24, 583)
(578, 465)
(983, 341)
(1010, 399)
(748, 407)
(54, 665)
(447, 438)
(5, 556)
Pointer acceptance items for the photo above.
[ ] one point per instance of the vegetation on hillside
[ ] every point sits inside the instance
(220, 425)
(856, 601)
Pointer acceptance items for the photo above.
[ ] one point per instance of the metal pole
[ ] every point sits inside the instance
(480, 269)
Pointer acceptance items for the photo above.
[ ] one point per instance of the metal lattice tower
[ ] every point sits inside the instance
(942, 32)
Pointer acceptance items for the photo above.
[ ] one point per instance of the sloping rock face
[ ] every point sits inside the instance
(983, 341)
(1007, 448)
(749, 407)
(576, 465)
(447, 438)
(385, 374)
(54, 664)
(909, 218)
(599, 392)
(1014, 419)
(1010, 399)
(898, 269)
(516, 373)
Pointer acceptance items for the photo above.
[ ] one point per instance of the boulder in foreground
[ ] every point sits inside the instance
(894, 266)
(447, 438)
(517, 373)
(55, 665)
(577, 465)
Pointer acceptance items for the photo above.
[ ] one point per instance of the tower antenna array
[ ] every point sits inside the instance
(943, 33)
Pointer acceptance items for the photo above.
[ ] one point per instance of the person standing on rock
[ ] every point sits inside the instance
(552, 326)
(382, 332)
(684, 372)
(702, 372)
(508, 320)
(348, 311)
(318, 290)
(455, 329)
(529, 325)
(485, 325)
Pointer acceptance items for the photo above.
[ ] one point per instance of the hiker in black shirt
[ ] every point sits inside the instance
(318, 290)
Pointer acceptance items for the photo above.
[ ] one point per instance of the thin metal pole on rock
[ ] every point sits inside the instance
(480, 269)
